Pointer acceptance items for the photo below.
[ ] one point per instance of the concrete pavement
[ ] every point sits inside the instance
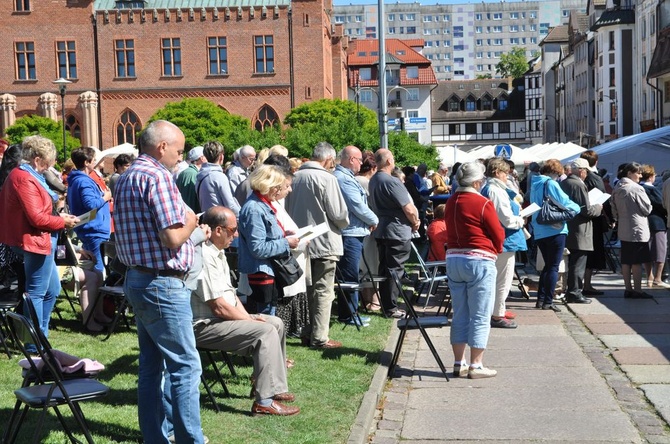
(592, 373)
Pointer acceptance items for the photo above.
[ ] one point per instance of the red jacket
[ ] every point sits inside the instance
(473, 224)
(26, 214)
(437, 235)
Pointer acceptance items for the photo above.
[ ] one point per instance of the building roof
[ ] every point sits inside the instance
(558, 34)
(478, 89)
(660, 62)
(365, 54)
(613, 17)
(101, 5)
(579, 21)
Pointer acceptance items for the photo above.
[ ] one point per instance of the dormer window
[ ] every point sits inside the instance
(412, 72)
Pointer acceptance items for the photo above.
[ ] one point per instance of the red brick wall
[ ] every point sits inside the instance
(317, 69)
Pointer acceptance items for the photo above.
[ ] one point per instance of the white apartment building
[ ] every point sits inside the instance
(462, 41)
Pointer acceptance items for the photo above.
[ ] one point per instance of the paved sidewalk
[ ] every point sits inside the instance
(595, 373)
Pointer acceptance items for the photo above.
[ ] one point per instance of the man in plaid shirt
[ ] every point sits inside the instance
(153, 226)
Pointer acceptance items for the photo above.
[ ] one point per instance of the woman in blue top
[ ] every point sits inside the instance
(262, 236)
(550, 239)
(84, 195)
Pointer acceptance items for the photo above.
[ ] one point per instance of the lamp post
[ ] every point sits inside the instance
(62, 87)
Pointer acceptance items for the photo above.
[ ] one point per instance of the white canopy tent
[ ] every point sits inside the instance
(124, 148)
(520, 156)
(449, 155)
(652, 147)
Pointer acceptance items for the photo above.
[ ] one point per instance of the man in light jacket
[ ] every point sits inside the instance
(361, 222)
(316, 198)
(212, 185)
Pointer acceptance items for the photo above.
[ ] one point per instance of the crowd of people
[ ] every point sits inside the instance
(201, 241)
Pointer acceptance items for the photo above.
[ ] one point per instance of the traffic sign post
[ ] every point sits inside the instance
(503, 150)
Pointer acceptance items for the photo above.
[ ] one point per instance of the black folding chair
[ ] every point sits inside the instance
(213, 363)
(50, 388)
(345, 289)
(412, 322)
(9, 300)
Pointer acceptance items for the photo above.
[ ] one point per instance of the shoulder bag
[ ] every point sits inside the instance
(286, 269)
(551, 212)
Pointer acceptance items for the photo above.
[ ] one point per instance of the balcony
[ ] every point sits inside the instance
(395, 103)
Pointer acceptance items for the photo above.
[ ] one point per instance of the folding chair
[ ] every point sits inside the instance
(9, 300)
(217, 371)
(369, 280)
(429, 276)
(412, 322)
(46, 392)
(345, 289)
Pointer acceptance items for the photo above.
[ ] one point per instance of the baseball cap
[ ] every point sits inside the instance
(580, 163)
(195, 154)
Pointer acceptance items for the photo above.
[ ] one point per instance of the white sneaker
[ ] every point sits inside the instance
(460, 371)
(172, 439)
(481, 373)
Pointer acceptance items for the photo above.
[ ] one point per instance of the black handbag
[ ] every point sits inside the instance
(286, 269)
(65, 255)
(551, 212)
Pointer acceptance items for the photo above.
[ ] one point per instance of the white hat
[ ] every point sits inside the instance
(195, 153)
(579, 163)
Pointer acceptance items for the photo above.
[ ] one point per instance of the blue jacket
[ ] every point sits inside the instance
(261, 237)
(515, 240)
(537, 196)
(361, 217)
(83, 195)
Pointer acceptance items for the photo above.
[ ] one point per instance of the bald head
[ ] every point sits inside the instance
(351, 158)
(222, 221)
(384, 160)
(163, 141)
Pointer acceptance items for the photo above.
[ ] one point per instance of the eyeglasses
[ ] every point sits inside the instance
(230, 230)
(359, 159)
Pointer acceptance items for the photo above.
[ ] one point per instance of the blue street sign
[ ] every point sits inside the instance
(503, 150)
(418, 120)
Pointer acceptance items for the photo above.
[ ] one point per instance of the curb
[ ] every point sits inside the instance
(361, 429)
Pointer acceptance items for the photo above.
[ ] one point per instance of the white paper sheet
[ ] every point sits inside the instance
(598, 197)
(310, 232)
(87, 217)
(529, 210)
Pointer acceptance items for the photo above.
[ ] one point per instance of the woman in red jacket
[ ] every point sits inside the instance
(474, 240)
(30, 226)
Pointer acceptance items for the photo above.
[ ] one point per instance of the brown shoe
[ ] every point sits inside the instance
(328, 344)
(284, 397)
(275, 408)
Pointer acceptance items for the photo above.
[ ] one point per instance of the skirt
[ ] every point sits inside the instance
(633, 253)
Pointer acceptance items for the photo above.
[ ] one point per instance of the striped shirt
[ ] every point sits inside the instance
(147, 202)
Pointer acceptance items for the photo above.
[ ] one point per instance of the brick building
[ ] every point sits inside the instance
(126, 59)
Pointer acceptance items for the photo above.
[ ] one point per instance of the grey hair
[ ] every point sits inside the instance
(323, 151)
(247, 150)
(469, 173)
(155, 133)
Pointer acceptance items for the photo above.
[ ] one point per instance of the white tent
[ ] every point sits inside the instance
(520, 156)
(652, 147)
(124, 148)
(450, 155)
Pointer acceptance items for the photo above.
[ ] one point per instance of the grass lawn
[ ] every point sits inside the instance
(329, 386)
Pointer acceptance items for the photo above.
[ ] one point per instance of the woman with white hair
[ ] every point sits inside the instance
(474, 240)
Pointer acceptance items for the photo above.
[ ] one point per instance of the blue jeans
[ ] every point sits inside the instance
(42, 283)
(93, 244)
(165, 333)
(472, 283)
(347, 270)
(552, 252)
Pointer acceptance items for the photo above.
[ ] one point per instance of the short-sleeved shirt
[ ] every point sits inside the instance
(212, 283)
(147, 202)
(388, 196)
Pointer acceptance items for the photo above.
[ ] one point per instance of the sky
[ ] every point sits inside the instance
(423, 2)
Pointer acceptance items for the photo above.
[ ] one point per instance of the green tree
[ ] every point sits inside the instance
(46, 127)
(484, 76)
(202, 121)
(513, 64)
(342, 123)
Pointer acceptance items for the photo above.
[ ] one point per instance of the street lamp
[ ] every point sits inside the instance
(62, 87)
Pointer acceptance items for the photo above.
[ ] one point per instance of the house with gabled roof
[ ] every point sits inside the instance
(409, 82)
(470, 113)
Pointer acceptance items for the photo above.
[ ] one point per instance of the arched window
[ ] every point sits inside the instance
(127, 127)
(267, 117)
(72, 126)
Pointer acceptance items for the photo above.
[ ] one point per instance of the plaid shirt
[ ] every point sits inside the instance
(147, 202)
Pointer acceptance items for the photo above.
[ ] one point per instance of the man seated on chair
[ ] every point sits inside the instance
(220, 321)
